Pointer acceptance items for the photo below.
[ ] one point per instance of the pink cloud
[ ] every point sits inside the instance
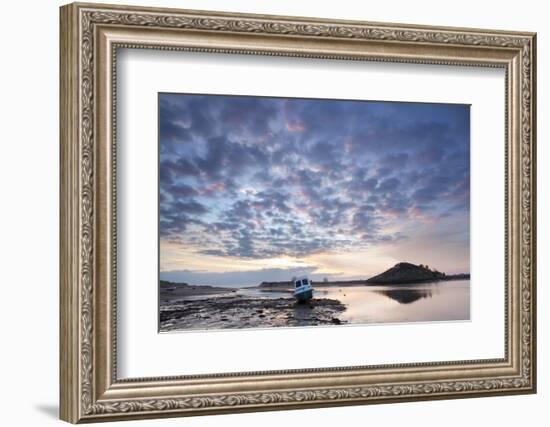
(213, 188)
(417, 214)
(292, 125)
(295, 126)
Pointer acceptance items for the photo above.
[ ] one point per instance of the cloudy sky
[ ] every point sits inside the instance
(256, 189)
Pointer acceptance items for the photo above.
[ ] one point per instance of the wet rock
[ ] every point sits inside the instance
(236, 311)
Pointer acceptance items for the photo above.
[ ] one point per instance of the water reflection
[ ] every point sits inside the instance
(390, 304)
(406, 296)
(407, 303)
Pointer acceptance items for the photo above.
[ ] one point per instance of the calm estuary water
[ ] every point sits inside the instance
(440, 301)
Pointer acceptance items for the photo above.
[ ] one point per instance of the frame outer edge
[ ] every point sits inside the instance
(533, 112)
(69, 356)
(77, 296)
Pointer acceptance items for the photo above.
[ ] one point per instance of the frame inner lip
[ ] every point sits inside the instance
(331, 371)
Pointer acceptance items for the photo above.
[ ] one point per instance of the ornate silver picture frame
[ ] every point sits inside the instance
(91, 36)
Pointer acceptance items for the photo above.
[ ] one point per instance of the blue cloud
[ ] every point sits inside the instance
(255, 177)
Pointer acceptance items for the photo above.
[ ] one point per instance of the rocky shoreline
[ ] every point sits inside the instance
(237, 311)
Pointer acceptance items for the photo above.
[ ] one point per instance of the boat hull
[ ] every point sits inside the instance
(304, 295)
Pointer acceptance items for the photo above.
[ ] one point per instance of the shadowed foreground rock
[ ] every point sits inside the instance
(235, 312)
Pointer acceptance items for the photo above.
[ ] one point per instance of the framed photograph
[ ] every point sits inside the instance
(266, 213)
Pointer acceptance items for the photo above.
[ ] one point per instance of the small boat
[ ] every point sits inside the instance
(302, 289)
